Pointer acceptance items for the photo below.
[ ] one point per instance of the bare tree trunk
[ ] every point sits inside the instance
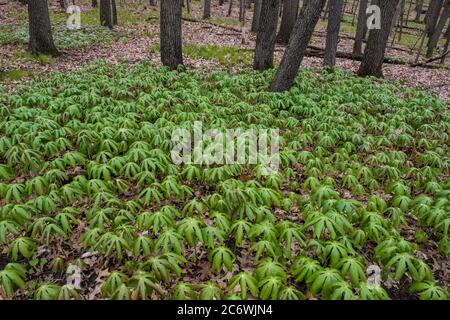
(256, 15)
(207, 9)
(433, 15)
(265, 39)
(114, 12)
(290, 11)
(361, 27)
(447, 37)
(434, 39)
(334, 25)
(418, 9)
(372, 62)
(230, 7)
(105, 13)
(295, 51)
(170, 28)
(40, 29)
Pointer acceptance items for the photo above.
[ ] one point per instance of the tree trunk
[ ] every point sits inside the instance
(433, 15)
(170, 25)
(418, 9)
(105, 13)
(265, 39)
(114, 12)
(361, 27)
(372, 62)
(94, 3)
(41, 39)
(447, 41)
(434, 39)
(256, 15)
(290, 11)
(295, 51)
(334, 24)
(207, 9)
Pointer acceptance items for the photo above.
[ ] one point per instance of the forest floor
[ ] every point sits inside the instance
(138, 32)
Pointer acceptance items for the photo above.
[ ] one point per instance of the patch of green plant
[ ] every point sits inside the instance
(227, 56)
(64, 39)
(86, 157)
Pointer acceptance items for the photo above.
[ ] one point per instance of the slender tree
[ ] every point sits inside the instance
(256, 15)
(105, 13)
(207, 9)
(418, 9)
(41, 39)
(290, 11)
(432, 17)
(334, 25)
(434, 38)
(372, 61)
(265, 39)
(295, 51)
(170, 29)
(361, 27)
(114, 12)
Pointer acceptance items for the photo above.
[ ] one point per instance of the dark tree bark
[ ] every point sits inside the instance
(334, 25)
(295, 51)
(94, 3)
(230, 7)
(361, 27)
(447, 42)
(418, 9)
(114, 12)
(265, 39)
(433, 15)
(41, 39)
(170, 25)
(207, 9)
(256, 15)
(434, 39)
(372, 61)
(290, 11)
(105, 13)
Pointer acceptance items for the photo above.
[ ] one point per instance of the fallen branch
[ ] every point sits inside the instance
(421, 64)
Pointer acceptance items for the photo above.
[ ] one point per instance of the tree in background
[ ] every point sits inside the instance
(170, 30)
(333, 28)
(40, 29)
(290, 11)
(105, 13)
(373, 58)
(439, 28)
(207, 9)
(361, 28)
(265, 39)
(295, 51)
(256, 15)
